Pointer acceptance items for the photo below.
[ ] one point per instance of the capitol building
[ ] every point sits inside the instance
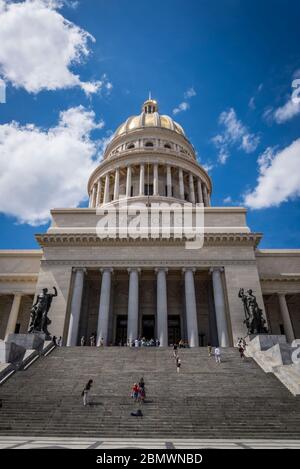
(154, 286)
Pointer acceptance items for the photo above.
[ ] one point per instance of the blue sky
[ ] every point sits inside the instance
(239, 57)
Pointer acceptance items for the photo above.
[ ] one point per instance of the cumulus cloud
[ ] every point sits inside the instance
(185, 105)
(279, 177)
(39, 47)
(42, 169)
(234, 133)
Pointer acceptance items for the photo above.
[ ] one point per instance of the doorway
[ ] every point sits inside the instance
(174, 333)
(121, 330)
(148, 327)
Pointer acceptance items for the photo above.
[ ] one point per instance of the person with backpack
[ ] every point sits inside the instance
(86, 392)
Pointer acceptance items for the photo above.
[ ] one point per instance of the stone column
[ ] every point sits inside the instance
(75, 307)
(128, 182)
(199, 190)
(106, 189)
(92, 197)
(205, 196)
(220, 307)
(13, 315)
(103, 315)
(190, 306)
(192, 189)
(142, 179)
(155, 179)
(181, 184)
(99, 187)
(285, 314)
(162, 308)
(117, 184)
(169, 181)
(133, 305)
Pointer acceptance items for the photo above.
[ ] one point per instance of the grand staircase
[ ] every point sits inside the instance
(235, 399)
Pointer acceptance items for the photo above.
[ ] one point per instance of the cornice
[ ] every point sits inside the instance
(280, 278)
(144, 264)
(91, 239)
(277, 253)
(27, 277)
(21, 253)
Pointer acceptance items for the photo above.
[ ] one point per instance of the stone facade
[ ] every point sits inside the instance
(124, 287)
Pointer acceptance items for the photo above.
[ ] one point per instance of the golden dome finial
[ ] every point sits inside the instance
(150, 105)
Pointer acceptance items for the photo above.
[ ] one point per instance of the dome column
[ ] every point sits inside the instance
(206, 196)
(128, 182)
(192, 190)
(98, 196)
(199, 190)
(181, 184)
(142, 179)
(117, 184)
(155, 179)
(169, 181)
(106, 189)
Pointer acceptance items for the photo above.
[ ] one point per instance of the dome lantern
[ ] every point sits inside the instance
(150, 106)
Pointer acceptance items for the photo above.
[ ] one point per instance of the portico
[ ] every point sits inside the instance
(160, 303)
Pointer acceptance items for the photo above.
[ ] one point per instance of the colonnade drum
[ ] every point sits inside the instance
(162, 304)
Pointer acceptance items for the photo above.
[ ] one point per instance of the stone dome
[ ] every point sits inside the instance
(149, 117)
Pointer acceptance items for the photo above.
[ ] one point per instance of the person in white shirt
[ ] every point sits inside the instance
(218, 355)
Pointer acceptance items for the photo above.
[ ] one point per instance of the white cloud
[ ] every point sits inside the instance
(235, 133)
(39, 47)
(279, 177)
(185, 105)
(227, 200)
(43, 169)
(286, 112)
(189, 93)
(208, 167)
(251, 103)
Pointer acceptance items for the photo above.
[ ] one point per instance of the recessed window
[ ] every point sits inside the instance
(148, 189)
(149, 144)
(167, 145)
(130, 146)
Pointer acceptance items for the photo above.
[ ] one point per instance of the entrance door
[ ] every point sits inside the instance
(148, 327)
(121, 331)
(174, 329)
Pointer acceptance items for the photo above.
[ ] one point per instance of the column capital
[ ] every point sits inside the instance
(78, 269)
(164, 269)
(105, 269)
(186, 269)
(132, 269)
(216, 269)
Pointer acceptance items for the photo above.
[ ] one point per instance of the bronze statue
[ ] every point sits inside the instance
(39, 320)
(254, 319)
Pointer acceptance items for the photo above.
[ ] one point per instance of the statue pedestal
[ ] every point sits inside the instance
(11, 352)
(34, 341)
(265, 341)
